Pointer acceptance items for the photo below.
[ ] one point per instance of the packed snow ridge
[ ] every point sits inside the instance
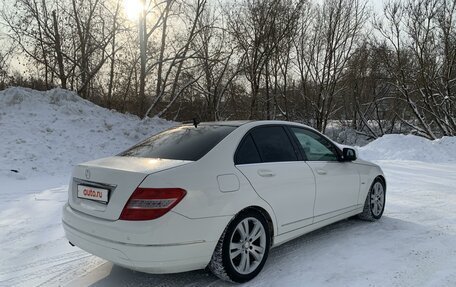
(49, 132)
(411, 148)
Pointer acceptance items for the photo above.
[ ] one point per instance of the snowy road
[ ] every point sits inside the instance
(414, 244)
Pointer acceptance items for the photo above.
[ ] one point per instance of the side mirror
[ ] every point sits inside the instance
(349, 154)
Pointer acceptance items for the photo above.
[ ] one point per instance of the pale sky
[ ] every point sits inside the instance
(377, 5)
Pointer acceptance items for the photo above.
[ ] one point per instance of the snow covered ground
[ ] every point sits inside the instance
(42, 134)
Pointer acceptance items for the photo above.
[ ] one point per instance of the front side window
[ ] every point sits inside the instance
(182, 143)
(273, 144)
(315, 146)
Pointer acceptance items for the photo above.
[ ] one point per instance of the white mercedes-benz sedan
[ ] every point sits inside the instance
(217, 195)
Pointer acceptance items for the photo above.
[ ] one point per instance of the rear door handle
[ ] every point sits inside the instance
(321, 171)
(265, 173)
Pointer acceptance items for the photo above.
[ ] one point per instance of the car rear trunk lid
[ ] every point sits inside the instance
(117, 176)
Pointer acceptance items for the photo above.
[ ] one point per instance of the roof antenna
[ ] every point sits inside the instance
(195, 122)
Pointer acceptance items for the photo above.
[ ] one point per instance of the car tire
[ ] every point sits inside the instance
(239, 255)
(375, 201)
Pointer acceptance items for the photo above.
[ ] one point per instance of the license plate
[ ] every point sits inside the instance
(93, 193)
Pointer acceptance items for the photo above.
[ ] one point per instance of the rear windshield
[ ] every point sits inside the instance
(182, 143)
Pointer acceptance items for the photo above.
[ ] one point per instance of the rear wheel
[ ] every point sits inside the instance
(242, 249)
(375, 201)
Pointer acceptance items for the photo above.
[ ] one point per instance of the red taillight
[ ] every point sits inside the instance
(151, 203)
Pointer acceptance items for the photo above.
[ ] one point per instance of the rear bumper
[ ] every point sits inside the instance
(170, 244)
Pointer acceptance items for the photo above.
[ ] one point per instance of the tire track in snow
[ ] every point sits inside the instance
(49, 260)
(28, 273)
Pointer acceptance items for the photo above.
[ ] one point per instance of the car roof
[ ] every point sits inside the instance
(221, 123)
(250, 122)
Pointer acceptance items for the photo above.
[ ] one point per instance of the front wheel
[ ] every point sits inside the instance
(375, 201)
(242, 249)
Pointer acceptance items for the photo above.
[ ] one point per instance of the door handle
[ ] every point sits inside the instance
(321, 171)
(265, 173)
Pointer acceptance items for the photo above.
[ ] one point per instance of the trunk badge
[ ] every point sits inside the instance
(87, 174)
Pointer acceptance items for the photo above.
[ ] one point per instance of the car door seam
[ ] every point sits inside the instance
(296, 221)
(251, 185)
(315, 190)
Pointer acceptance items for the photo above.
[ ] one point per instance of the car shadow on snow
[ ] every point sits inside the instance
(322, 245)
(119, 276)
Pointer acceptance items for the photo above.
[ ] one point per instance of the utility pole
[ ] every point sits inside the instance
(143, 58)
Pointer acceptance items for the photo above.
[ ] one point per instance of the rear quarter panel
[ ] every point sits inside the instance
(205, 197)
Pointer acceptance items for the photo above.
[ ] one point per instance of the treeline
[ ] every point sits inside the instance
(316, 62)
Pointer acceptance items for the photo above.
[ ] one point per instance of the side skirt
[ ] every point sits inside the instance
(290, 235)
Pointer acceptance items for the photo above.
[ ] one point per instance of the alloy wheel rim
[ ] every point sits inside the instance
(377, 199)
(247, 245)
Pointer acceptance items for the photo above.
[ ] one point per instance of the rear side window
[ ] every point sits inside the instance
(182, 143)
(247, 152)
(273, 144)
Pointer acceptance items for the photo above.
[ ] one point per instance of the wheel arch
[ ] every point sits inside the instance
(265, 214)
(382, 179)
(218, 265)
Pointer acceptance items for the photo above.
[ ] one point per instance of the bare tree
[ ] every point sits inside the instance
(170, 82)
(421, 38)
(257, 27)
(44, 30)
(215, 56)
(93, 40)
(33, 28)
(327, 41)
(5, 57)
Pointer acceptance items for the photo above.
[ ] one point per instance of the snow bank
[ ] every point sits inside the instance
(49, 132)
(409, 147)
